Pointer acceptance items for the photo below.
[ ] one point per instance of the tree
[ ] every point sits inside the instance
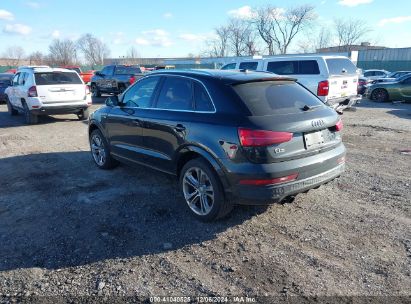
(63, 52)
(350, 32)
(315, 41)
(36, 58)
(93, 49)
(241, 39)
(278, 27)
(13, 55)
(217, 47)
(133, 55)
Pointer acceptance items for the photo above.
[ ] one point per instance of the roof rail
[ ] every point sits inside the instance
(33, 67)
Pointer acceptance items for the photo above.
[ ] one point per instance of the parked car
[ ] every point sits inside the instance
(11, 71)
(375, 74)
(362, 85)
(86, 76)
(5, 82)
(114, 79)
(393, 76)
(242, 137)
(332, 78)
(399, 89)
(39, 91)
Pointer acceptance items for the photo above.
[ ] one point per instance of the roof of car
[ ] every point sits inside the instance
(46, 69)
(227, 76)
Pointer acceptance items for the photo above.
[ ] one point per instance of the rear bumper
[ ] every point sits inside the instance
(53, 110)
(312, 171)
(343, 102)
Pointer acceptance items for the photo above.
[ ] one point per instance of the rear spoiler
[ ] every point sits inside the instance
(239, 82)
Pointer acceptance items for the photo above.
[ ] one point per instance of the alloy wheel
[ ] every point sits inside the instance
(98, 150)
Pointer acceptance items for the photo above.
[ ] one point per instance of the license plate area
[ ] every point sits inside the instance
(317, 139)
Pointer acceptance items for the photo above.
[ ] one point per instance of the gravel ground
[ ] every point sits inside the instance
(70, 230)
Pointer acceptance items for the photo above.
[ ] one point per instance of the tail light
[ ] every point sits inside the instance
(32, 92)
(323, 88)
(362, 82)
(272, 181)
(132, 79)
(339, 125)
(261, 138)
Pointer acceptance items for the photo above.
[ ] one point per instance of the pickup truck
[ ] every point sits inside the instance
(86, 76)
(114, 79)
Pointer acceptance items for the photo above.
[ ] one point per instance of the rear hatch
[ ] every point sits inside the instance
(293, 121)
(58, 86)
(343, 78)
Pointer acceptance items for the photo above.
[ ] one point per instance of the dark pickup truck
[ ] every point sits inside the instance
(114, 79)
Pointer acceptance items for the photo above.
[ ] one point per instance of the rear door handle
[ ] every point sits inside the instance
(179, 128)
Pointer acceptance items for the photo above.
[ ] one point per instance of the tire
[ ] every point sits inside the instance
(380, 95)
(84, 114)
(95, 91)
(100, 151)
(121, 89)
(10, 109)
(29, 117)
(200, 204)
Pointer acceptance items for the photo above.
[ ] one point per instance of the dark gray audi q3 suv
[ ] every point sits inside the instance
(231, 137)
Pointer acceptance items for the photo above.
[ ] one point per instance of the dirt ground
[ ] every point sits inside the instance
(69, 229)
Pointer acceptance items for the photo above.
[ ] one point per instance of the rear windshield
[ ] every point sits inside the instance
(340, 66)
(51, 78)
(251, 65)
(127, 70)
(276, 97)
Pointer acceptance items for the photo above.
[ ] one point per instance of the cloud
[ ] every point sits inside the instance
(168, 15)
(33, 4)
(192, 37)
(17, 29)
(118, 38)
(352, 3)
(397, 20)
(244, 12)
(6, 15)
(156, 37)
(55, 34)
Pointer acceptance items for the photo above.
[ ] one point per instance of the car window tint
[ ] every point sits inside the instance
(105, 71)
(53, 78)
(341, 66)
(125, 70)
(283, 67)
(249, 65)
(229, 66)
(176, 94)
(140, 95)
(5, 81)
(202, 99)
(16, 79)
(308, 67)
(407, 80)
(22, 78)
(275, 97)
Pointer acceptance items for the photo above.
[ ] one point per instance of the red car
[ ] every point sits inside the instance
(86, 76)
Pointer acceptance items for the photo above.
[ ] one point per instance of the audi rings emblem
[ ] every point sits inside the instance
(317, 123)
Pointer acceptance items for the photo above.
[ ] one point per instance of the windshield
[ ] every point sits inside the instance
(276, 97)
(52, 78)
(127, 70)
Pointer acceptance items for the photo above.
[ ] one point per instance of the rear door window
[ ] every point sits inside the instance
(342, 66)
(53, 78)
(294, 67)
(176, 94)
(250, 65)
(276, 97)
(230, 66)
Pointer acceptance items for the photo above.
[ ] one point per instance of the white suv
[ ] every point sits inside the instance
(42, 90)
(332, 78)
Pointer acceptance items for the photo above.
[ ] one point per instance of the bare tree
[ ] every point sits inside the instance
(315, 41)
(133, 56)
(13, 55)
(62, 52)
(36, 58)
(93, 49)
(350, 32)
(278, 28)
(218, 47)
(242, 38)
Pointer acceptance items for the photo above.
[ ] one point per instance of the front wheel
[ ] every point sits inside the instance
(10, 109)
(203, 191)
(100, 151)
(95, 92)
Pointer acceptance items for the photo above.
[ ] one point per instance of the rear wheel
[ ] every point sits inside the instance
(203, 191)
(84, 114)
(29, 117)
(100, 151)
(121, 89)
(10, 108)
(95, 91)
(379, 95)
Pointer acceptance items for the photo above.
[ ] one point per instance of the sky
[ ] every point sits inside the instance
(161, 28)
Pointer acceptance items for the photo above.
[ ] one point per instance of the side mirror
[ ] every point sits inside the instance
(112, 101)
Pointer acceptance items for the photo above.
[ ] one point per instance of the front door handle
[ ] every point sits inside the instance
(179, 128)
